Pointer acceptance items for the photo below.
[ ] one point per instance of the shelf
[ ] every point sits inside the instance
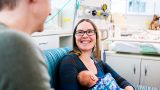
(53, 32)
(49, 39)
(135, 40)
(147, 57)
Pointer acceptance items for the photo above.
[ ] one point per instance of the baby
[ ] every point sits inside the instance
(91, 81)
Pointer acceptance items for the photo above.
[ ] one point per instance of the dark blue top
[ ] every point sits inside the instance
(71, 65)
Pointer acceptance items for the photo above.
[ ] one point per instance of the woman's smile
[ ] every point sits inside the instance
(85, 42)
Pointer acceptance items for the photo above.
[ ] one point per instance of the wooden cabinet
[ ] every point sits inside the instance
(137, 69)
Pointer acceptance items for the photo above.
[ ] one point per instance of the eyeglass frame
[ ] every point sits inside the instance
(87, 31)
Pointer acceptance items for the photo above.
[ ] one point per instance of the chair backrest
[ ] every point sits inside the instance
(52, 58)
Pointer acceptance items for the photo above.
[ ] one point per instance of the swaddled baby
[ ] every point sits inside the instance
(91, 81)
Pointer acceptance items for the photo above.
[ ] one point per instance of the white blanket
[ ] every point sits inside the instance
(135, 47)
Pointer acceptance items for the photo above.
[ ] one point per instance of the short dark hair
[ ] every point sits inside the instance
(10, 4)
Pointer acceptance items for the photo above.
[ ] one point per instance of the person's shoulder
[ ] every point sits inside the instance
(70, 59)
(12, 37)
(18, 42)
(69, 56)
(12, 34)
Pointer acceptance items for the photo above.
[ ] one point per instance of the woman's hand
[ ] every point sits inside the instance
(128, 88)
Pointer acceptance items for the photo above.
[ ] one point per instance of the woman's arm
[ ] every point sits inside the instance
(68, 74)
(120, 80)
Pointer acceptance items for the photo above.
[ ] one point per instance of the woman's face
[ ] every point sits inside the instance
(86, 41)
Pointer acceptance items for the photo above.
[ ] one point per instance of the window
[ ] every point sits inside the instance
(140, 7)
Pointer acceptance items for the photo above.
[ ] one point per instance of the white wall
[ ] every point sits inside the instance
(62, 14)
(136, 19)
(93, 2)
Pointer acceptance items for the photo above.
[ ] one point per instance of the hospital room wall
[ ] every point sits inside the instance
(138, 20)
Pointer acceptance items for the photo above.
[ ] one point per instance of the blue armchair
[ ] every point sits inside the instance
(52, 58)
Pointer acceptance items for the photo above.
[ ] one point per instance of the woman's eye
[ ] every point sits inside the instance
(80, 32)
(90, 31)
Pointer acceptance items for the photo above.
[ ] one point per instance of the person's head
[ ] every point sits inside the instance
(26, 15)
(86, 38)
(87, 78)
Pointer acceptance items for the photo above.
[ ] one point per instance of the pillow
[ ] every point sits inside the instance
(125, 47)
(149, 48)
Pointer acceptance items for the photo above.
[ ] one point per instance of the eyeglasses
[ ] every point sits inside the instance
(89, 32)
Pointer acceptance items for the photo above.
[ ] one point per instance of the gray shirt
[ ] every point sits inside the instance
(22, 65)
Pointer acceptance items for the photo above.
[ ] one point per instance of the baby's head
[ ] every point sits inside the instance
(87, 78)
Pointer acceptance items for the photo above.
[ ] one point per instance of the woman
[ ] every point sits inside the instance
(85, 45)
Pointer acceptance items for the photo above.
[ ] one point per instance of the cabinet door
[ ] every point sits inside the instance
(150, 73)
(65, 41)
(47, 42)
(127, 67)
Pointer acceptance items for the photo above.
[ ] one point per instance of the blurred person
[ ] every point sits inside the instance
(22, 65)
